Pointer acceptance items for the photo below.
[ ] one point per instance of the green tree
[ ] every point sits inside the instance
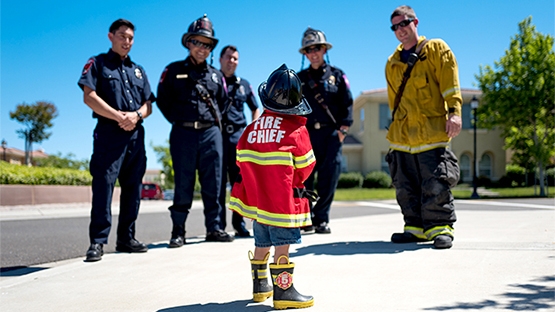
(67, 162)
(36, 118)
(164, 157)
(518, 97)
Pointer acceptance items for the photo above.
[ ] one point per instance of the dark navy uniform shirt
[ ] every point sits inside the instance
(178, 97)
(333, 86)
(122, 84)
(239, 92)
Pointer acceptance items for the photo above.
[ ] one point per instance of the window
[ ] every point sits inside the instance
(385, 165)
(466, 173)
(467, 117)
(361, 119)
(344, 163)
(385, 116)
(485, 166)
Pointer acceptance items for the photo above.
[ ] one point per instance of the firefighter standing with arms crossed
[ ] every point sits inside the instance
(326, 88)
(191, 94)
(425, 99)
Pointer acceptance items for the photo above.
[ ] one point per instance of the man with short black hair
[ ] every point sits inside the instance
(118, 92)
(234, 122)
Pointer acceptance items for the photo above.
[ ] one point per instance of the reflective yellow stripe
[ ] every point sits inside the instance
(417, 149)
(269, 218)
(416, 231)
(305, 160)
(262, 274)
(448, 92)
(440, 230)
(271, 158)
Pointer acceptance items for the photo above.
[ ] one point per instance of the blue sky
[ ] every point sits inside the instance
(44, 45)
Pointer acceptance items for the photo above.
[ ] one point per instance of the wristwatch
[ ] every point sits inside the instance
(139, 113)
(343, 131)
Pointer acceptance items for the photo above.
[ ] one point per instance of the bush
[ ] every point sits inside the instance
(19, 174)
(350, 180)
(377, 179)
(483, 181)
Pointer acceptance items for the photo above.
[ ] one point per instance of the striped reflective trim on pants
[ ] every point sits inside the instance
(440, 230)
(416, 231)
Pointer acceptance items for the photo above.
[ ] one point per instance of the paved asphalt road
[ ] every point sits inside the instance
(31, 240)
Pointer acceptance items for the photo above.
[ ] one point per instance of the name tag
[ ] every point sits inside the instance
(182, 76)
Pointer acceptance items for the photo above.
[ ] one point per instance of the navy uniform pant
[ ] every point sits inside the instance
(423, 185)
(230, 168)
(328, 153)
(117, 154)
(195, 151)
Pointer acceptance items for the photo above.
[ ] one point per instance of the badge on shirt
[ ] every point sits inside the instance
(214, 77)
(87, 66)
(331, 80)
(241, 90)
(138, 73)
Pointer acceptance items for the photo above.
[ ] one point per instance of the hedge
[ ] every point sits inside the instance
(20, 174)
(377, 179)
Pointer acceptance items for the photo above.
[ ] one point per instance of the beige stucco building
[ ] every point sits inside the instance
(365, 148)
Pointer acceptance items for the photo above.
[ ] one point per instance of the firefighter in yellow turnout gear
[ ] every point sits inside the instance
(425, 100)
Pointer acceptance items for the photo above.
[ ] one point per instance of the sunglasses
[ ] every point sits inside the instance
(313, 49)
(404, 23)
(199, 44)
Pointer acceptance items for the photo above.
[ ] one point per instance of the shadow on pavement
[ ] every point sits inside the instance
(354, 248)
(19, 271)
(239, 305)
(526, 297)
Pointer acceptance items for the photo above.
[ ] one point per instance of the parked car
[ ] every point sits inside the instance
(151, 191)
(168, 194)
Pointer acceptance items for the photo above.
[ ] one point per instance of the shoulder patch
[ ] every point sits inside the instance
(88, 65)
(163, 75)
(346, 82)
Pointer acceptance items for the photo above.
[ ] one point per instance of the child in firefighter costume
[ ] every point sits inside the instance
(275, 157)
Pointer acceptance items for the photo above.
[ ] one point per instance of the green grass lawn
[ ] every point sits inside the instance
(459, 193)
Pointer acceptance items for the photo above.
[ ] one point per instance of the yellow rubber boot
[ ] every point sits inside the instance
(261, 289)
(285, 295)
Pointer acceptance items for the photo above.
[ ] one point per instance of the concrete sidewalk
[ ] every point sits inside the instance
(501, 260)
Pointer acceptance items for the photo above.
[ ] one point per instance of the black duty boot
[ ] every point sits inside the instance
(285, 295)
(261, 289)
(443, 241)
(178, 236)
(94, 253)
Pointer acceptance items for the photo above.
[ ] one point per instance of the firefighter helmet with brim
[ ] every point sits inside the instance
(282, 93)
(312, 37)
(200, 27)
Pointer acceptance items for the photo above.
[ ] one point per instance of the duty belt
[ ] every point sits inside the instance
(318, 125)
(232, 128)
(196, 124)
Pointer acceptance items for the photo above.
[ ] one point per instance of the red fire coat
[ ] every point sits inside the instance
(274, 156)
